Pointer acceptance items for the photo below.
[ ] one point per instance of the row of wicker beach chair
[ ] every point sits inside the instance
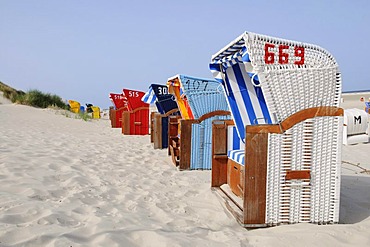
(268, 125)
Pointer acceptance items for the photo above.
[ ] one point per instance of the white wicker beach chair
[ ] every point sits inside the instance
(284, 98)
(356, 127)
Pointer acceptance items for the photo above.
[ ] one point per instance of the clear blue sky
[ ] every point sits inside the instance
(84, 49)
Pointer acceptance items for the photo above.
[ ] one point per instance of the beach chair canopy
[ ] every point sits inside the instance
(165, 101)
(74, 105)
(134, 98)
(262, 78)
(118, 100)
(203, 95)
(159, 95)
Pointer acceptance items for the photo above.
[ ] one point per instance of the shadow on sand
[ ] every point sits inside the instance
(354, 199)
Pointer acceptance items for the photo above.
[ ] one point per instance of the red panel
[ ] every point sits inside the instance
(139, 122)
(139, 119)
(119, 100)
(134, 98)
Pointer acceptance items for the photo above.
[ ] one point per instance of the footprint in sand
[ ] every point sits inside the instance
(59, 219)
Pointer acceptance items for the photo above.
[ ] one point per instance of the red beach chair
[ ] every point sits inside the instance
(136, 120)
(120, 103)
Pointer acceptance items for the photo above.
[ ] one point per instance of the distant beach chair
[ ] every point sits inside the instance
(356, 127)
(166, 106)
(200, 102)
(367, 107)
(95, 112)
(74, 106)
(120, 103)
(135, 121)
(284, 97)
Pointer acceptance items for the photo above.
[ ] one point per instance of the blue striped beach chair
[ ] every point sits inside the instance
(207, 103)
(284, 166)
(166, 106)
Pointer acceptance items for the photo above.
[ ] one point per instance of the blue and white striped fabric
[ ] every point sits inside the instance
(149, 97)
(245, 98)
(233, 140)
(237, 156)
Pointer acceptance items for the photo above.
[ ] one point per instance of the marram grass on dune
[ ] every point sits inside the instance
(33, 97)
(36, 98)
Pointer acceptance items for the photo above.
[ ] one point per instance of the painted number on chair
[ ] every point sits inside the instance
(132, 94)
(283, 55)
(162, 90)
(118, 97)
(199, 85)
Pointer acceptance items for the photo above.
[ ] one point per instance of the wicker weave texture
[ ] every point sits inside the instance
(312, 145)
(290, 88)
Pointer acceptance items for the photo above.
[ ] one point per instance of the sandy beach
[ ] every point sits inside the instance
(69, 182)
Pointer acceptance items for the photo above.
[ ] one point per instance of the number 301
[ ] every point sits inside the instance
(283, 56)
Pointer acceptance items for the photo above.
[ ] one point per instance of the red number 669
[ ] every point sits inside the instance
(283, 56)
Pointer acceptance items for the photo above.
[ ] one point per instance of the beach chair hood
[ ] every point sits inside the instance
(203, 95)
(262, 75)
(74, 105)
(165, 100)
(159, 95)
(134, 98)
(118, 100)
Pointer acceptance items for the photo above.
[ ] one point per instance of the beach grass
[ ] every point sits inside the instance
(33, 97)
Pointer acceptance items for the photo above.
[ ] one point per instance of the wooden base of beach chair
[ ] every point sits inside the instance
(183, 145)
(173, 130)
(250, 184)
(160, 129)
(157, 131)
(115, 116)
(219, 152)
(152, 126)
(136, 122)
(175, 155)
(187, 137)
(112, 116)
(180, 149)
(235, 178)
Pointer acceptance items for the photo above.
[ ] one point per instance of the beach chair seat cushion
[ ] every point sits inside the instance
(237, 156)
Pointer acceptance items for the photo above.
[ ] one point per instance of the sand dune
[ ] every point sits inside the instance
(67, 182)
